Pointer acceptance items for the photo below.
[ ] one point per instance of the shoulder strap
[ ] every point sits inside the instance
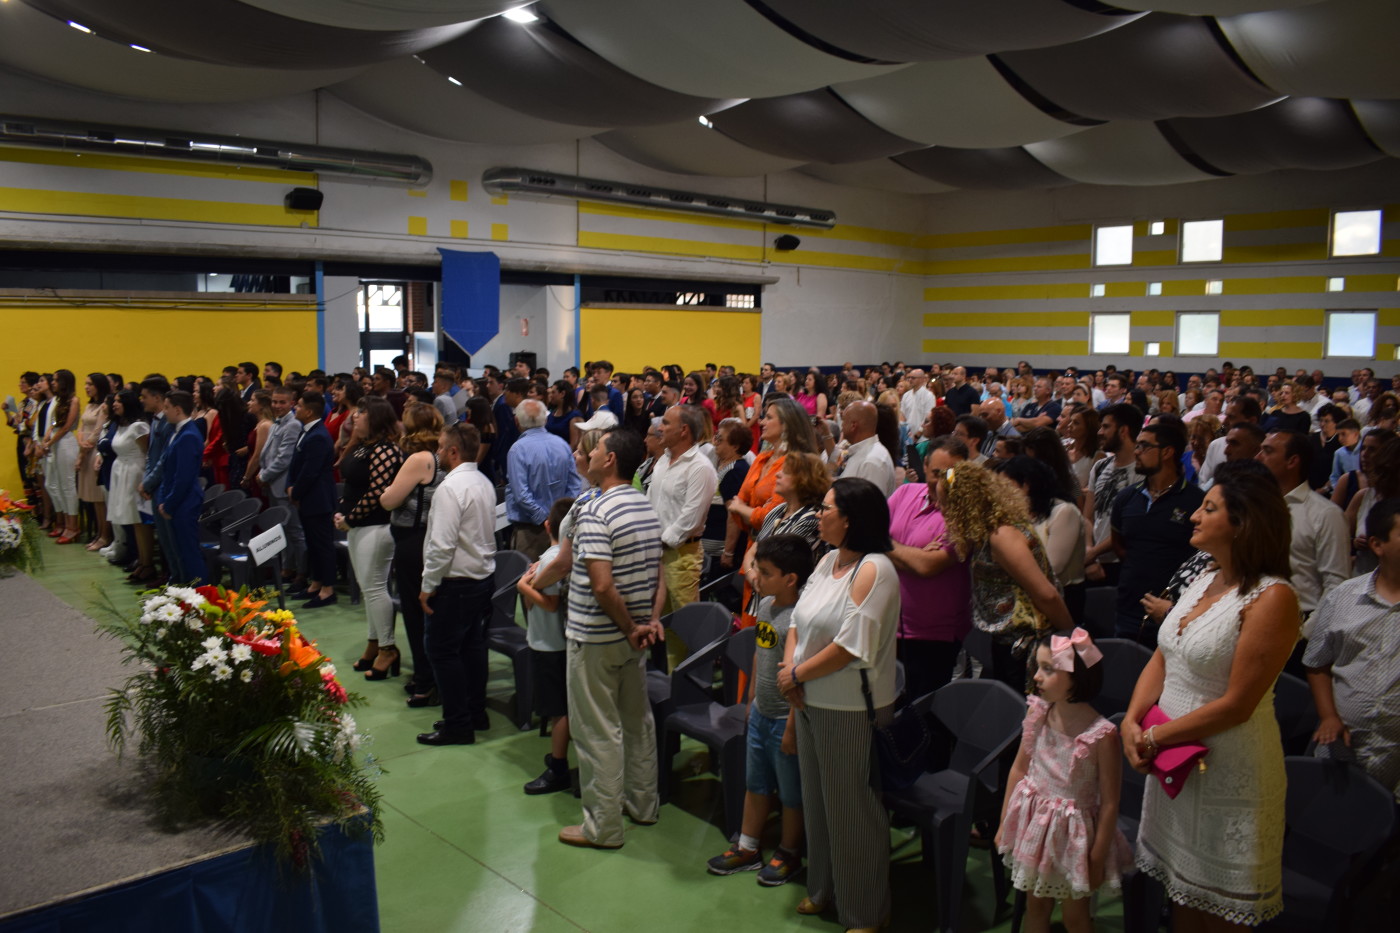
(865, 690)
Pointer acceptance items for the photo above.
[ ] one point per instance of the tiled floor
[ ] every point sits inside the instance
(467, 851)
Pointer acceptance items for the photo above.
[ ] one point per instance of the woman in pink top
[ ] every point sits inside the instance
(810, 396)
(934, 589)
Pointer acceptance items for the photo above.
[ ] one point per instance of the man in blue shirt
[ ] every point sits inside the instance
(1041, 412)
(539, 470)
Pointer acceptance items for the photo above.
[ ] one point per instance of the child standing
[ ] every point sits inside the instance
(1059, 822)
(1351, 658)
(783, 564)
(544, 633)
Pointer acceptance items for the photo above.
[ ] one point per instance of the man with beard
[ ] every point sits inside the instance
(1118, 431)
(1151, 524)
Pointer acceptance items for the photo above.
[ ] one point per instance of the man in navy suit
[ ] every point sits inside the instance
(179, 498)
(153, 401)
(311, 489)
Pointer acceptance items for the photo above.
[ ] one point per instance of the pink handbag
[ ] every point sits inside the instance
(1173, 764)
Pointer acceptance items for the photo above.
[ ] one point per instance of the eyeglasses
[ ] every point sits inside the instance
(822, 508)
(1144, 446)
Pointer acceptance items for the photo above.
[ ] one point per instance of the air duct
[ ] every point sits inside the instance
(529, 183)
(38, 132)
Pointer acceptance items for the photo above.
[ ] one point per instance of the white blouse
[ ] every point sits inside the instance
(825, 614)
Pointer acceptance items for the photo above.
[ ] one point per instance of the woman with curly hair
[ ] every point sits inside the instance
(1014, 596)
(408, 499)
(59, 447)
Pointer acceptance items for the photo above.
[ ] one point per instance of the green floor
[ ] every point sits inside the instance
(467, 851)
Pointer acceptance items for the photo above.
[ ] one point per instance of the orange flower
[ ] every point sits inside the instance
(302, 652)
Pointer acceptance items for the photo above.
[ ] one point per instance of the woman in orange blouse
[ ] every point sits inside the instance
(785, 427)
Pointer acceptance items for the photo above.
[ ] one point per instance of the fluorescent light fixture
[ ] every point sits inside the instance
(80, 27)
(139, 48)
(520, 15)
(705, 122)
(454, 81)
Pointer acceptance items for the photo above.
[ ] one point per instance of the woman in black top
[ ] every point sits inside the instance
(368, 469)
(1288, 416)
(409, 498)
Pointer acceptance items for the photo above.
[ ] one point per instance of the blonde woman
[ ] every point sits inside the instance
(1014, 596)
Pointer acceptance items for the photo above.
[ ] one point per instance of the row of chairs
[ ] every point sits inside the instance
(229, 519)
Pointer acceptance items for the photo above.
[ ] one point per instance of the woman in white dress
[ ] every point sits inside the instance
(1218, 846)
(124, 497)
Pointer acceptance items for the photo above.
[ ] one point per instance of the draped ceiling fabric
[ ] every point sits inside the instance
(901, 95)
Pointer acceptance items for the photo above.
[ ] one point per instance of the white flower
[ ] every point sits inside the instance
(216, 655)
(246, 675)
(169, 613)
(240, 653)
(186, 595)
(195, 623)
(199, 662)
(328, 669)
(212, 643)
(223, 672)
(161, 632)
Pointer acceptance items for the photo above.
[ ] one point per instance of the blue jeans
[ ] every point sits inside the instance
(768, 768)
(455, 638)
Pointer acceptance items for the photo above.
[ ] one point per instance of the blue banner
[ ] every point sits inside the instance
(471, 298)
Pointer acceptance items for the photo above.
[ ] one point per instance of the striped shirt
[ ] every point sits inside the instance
(620, 527)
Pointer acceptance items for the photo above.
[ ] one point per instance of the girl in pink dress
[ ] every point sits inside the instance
(1059, 822)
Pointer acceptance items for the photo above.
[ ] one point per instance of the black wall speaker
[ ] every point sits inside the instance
(786, 242)
(303, 199)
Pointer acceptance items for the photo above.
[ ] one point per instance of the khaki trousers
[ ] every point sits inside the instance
(681, 568)
(614, 736)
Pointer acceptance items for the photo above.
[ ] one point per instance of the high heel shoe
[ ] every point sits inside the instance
(55, 532)
(384, 673)
(366, 660)
(67, 539)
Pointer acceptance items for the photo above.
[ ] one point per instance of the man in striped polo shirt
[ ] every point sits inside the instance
(615, 597)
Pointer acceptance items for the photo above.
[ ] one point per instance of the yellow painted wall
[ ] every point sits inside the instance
(175, 334)
(634, 338)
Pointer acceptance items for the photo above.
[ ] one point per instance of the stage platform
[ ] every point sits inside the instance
(80, 848)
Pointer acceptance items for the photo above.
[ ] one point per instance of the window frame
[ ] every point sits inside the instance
(1327, 333)
(1094, 317)
(1098, 233)
(1219, 246)
(1332, 233)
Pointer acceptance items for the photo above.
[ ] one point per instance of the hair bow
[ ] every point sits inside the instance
(1063, 650)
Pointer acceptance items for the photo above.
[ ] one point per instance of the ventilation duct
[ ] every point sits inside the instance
(530, 183)
(200, 147)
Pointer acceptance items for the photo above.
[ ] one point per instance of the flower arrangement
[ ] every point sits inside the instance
(19, 536)
(241, 720)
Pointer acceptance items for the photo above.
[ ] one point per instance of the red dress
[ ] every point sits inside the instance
(216, 453)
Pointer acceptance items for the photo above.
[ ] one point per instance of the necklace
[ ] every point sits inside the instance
(850, 563)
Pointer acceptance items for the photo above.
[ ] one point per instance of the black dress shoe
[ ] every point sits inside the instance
(446, 738)
(549, 782)
(427, 698)
(320, 601)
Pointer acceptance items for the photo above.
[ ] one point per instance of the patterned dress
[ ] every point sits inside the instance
(1053, 814)
(1218, 847)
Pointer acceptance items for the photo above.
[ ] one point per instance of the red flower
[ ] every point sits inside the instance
(267, 646)
(333, 687)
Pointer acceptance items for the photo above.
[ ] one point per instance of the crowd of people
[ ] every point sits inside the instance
(947, 520)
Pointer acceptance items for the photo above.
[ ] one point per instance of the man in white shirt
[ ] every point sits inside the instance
(1242, 408)
(918, 401)
(459, 558)
(865, 456)
(683, 483)
(1320, 552)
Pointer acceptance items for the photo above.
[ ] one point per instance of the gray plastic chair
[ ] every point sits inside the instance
(241, 569)
(984, 718)
(235, 526)
(505, 636)
(1296, 714)
(698, 626)
(720, 725)
(1123, 662)
(1100, 611)
(1337, 818)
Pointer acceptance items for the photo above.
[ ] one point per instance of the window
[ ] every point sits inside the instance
(1351, 333)
(1215, 287)
(1356, 233)
(1198, 333)
(1154, 288)
(738, 301)
(1108, 333)
(1157, 228)
(1113, 246)
(1201, 240)
(1152, 348)
(1097, 290)
(382, 304)
(1337, 284)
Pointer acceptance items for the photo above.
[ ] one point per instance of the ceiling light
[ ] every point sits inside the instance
(139, 48)
(80, 27)
(705, 121)
(454, 81)
(520, 15)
